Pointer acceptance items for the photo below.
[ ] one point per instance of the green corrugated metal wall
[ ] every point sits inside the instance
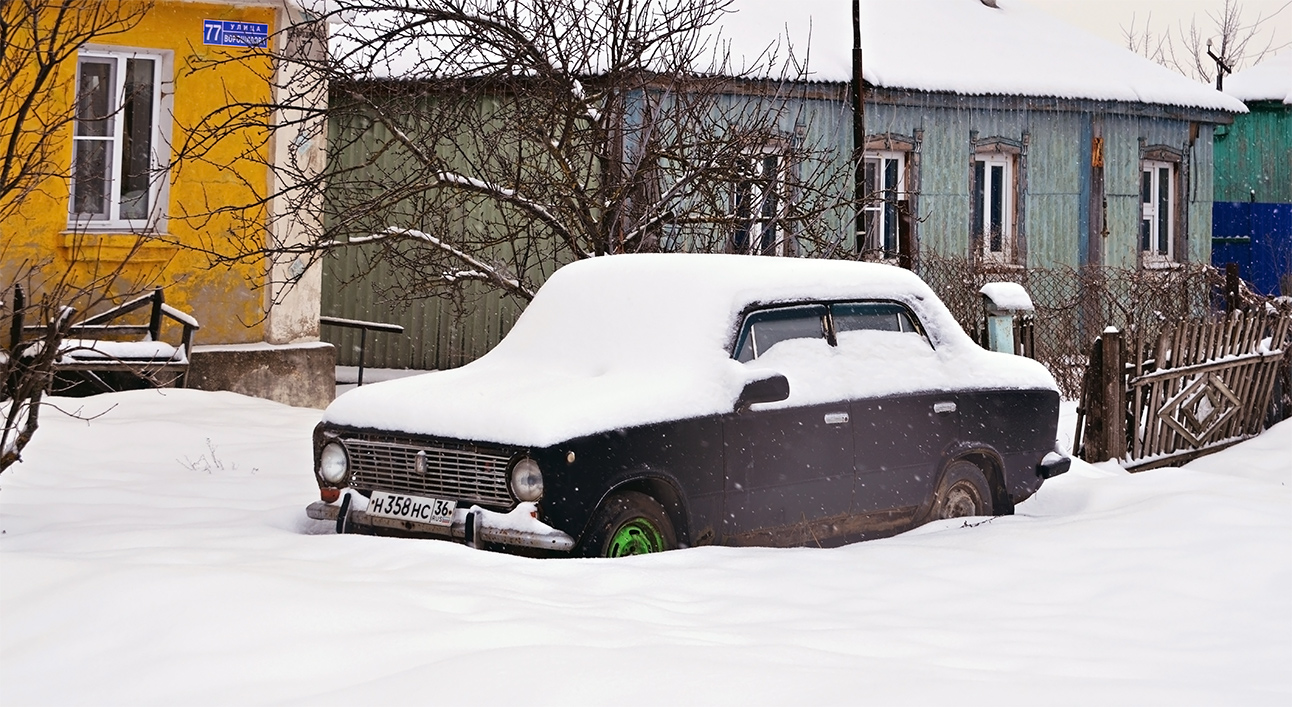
(1255, 154)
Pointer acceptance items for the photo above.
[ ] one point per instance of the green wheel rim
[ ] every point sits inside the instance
(636, 537)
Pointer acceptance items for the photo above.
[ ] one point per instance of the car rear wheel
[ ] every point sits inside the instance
(963, 492)
(629, 523)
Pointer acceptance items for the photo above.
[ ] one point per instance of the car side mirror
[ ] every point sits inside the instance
(764, 390)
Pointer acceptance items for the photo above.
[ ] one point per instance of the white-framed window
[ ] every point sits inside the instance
(757, 202)
(993, 206)
(1157, 211)
(115, 163)
(884, 180)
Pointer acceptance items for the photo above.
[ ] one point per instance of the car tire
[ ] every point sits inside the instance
(962, 492)
(629, 523)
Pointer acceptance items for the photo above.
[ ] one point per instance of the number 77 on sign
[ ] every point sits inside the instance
(212, 32)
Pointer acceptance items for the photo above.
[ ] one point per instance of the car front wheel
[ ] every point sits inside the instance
(629, 523)
(963, 492)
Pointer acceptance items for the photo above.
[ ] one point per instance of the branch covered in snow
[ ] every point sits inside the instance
(480, 270)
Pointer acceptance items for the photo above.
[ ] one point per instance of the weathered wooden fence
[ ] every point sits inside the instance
(1195, 388)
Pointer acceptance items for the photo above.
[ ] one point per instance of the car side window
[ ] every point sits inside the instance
(873, 316)
(766, 328)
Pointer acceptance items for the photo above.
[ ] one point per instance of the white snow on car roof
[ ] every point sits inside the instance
(1270, 80)
(627, 340)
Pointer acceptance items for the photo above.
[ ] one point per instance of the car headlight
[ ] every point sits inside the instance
(334, 463)
(527, 480)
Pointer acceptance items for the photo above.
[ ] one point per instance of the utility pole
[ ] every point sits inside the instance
(858, 129)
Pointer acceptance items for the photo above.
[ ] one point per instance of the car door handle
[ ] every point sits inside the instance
(836, 418)
(944, 407)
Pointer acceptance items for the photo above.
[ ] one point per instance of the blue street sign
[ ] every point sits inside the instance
(223, 33)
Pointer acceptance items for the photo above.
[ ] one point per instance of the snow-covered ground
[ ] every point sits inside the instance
(160, 554)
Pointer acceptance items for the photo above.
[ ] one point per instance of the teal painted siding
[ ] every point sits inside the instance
(443, 333)
(1255, 155)
(1057, 164)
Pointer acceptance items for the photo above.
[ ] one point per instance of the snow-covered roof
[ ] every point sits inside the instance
(628, 340)
(961, 46)
(956, 46)
(1270, 80)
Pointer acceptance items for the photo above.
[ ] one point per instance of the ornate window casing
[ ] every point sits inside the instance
(890, 183)
(1163, 219)
(997, 192)
(118, 139)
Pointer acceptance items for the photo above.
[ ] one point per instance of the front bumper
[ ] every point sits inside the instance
(473, 526)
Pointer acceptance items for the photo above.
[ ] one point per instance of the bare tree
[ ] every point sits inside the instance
(478, 141)
(1225, 41)
(39, 41)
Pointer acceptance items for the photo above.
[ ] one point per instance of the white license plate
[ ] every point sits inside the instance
(435, 511)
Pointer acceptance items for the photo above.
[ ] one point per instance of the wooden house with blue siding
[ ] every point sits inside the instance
(1252, 216)
(992, 131)
(997, 132)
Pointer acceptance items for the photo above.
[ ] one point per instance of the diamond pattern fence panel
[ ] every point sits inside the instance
(1192, 388)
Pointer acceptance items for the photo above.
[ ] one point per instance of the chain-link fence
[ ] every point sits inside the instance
(1073, 305)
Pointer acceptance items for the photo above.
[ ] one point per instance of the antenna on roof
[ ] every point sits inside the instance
(1221, 67)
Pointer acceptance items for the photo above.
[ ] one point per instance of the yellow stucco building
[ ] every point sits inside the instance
(155, 136)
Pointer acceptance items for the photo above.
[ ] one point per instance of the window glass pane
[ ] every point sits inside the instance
(136, 147)
(875, 316)
(872, 208)
(765, 329)
(90, 163)
(1163, 208)
(740, 240)
(890, 178)
(770, 203)
(1146, 187)
(997, 205)
(979, 184)
(94, 93)
(890, 227)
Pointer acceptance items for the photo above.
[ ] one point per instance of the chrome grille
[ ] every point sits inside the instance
(461, 472)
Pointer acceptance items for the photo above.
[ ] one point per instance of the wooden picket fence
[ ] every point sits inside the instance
(1195, 388)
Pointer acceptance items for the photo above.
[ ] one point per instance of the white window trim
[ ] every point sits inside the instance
(1009, 246)
(756, 220)
(159, 139)
(1149, 212)
(874, 244)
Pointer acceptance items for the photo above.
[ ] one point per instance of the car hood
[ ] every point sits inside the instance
(529, 406)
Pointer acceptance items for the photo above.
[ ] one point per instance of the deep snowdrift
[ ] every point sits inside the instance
(159, 554)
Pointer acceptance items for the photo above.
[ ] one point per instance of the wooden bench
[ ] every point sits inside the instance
(101, 354)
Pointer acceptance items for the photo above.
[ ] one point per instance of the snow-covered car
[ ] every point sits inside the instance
(649, 402)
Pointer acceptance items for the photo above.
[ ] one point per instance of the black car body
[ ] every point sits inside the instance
(648, 402)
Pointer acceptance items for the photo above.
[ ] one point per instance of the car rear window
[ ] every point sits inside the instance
(765, 329)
